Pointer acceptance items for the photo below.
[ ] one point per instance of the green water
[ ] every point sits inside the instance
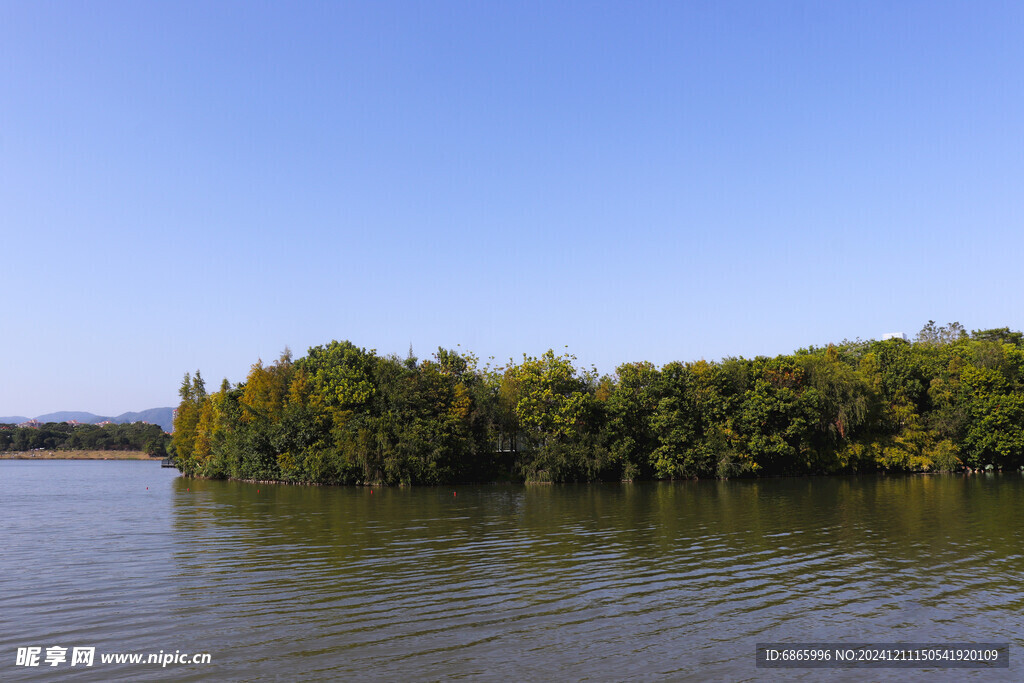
(673, 581)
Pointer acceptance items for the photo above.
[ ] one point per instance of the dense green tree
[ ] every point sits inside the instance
(632, 401)
(777, 416)
(555, 411)
(342, 414)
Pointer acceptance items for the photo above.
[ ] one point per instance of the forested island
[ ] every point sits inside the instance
(136, 436)
(947, 401)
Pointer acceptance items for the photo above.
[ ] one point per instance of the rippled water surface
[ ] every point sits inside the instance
(673, 581)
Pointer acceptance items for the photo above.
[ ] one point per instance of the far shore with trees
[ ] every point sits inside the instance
(84, 441)
(947, 401)
(43, 454)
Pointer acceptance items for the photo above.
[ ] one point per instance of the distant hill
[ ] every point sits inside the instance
(66, 415)
(158, 416)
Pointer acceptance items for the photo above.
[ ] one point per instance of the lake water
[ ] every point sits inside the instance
(674, 581)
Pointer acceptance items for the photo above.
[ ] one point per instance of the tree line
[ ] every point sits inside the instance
(947, 401)
(136, 436)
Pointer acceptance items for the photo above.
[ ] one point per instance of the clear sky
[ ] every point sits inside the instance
(193, 185)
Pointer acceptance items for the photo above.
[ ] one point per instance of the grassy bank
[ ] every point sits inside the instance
(74, 455)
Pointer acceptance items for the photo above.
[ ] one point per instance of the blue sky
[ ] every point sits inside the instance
(198, 185)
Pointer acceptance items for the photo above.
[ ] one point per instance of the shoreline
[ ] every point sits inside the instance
(967, 472)
(46, 454)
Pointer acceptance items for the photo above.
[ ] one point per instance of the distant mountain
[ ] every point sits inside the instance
(158, 416)
(66, 415)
